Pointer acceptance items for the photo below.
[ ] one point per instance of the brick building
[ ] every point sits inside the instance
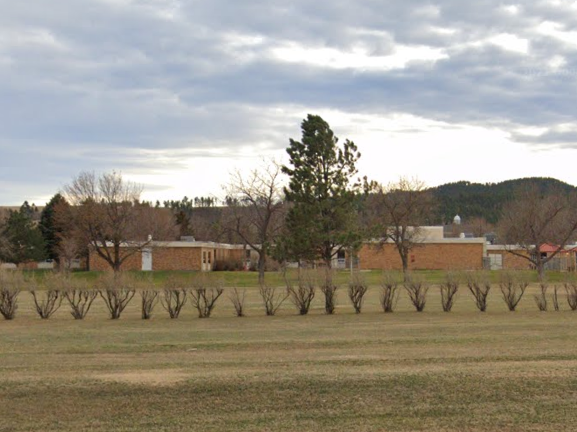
(431, 254)
(433, 251)
(499, 258)
(178, 255)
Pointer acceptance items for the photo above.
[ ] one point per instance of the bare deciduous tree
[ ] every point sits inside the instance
(357, 289)
(512, 288)
(535, 219)
(479, 284)
(449, 290)
(389, 291)
(479, 226)
(417, 290)
(401, 208)
(107, 214)
(237, 299)
(68, 250)
(257, 210)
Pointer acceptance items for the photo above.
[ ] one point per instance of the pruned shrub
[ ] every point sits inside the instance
(75, 291)
(329, 290)
(272, 298)
(449, 290)
(330, 293)
(357, 289)
(479, 285)
(204, 295)
(173, 297)
(417, 290)
(46, 303)
(9, 302)
(389, 291)
(148, 299)
(10, 283)
(148, 296)
(571, 290)
(303, 293)
(80, 301)
(541, 298)
(117, 291)
(555, 299)
(173, 300)
(512, 288)
(237, 298)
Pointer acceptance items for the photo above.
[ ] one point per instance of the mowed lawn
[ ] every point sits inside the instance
(406, 371)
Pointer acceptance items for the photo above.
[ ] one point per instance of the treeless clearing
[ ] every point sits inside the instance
(405, 371)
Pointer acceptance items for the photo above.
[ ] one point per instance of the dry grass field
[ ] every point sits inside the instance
(406, 371)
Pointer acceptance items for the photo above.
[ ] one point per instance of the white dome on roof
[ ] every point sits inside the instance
(457, 220)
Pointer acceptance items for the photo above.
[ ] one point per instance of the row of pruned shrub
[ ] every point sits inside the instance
(512, 287)
(118, 290)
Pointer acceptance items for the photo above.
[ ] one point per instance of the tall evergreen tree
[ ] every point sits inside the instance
(24, 239)
(50, 229)
(323, 217)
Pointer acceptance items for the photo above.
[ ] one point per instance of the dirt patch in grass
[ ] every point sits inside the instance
(164, 377)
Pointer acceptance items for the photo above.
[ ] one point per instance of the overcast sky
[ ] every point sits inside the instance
(177, 94)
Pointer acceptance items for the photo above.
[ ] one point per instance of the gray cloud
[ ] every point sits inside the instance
(87, 85)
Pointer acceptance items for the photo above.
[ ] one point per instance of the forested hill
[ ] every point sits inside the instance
(470, 200)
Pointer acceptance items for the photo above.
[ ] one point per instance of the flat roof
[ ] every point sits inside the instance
(474, 240)
(182, 244)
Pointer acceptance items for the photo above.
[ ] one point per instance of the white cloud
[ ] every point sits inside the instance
(511, 42)
(556, 31)
(511, 9)
(30, 37)
(358, 58)
(557, 62)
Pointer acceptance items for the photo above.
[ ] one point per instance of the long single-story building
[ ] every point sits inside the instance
(434, 254)
(500, 257)
(432, 251)
(178, 255)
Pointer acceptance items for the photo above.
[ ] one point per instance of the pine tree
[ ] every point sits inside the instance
(323, 217)
(24, 239)
(51, 232)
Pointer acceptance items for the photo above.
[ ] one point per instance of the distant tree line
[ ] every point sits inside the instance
(486, 201)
